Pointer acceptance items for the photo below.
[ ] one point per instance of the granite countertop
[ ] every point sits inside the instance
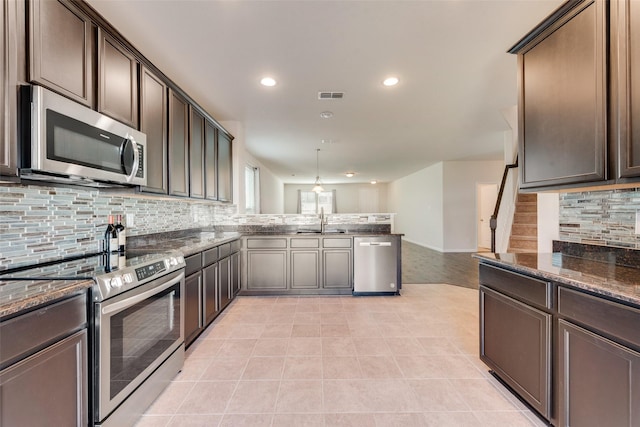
(191, 244)
(604, 278)
(19, 295)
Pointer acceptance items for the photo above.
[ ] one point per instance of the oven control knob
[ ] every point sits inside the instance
(116, 282)
(173, 261)
(128, 278)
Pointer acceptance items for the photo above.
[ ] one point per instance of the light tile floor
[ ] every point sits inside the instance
(341, 361)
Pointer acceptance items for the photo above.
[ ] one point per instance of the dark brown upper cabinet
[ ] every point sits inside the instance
(210, 160)
(153, 122)
(563, 98)
(225, 169)
(62, 49)
(178, 145)
(625, 52)
(10, 34)
(118, 77)
(196, 154)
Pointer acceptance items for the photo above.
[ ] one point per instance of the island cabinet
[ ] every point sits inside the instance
(211, 283)
(12, 34)
(516, 333)
(153, 123)
(599, 361)
(562, 103)
(178, 145)
(43, 366)
(118, 78)
(298, 265)
(62, 49)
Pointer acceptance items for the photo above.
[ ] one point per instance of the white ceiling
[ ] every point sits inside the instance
(449, 55)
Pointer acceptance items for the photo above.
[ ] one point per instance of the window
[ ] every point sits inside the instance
(310, 202)
(251, 190)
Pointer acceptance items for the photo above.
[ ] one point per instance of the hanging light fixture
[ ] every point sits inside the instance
(318, 185)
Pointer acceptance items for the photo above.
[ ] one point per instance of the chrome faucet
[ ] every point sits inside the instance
(322, 220)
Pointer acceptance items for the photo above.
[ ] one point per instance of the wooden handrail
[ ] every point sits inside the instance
(493, 223)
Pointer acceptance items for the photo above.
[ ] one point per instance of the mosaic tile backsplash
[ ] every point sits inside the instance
(48, 223)
(605, 218)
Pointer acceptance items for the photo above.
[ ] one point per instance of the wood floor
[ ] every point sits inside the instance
(423, 265)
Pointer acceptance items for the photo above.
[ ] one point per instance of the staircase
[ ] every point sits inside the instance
(524, 231)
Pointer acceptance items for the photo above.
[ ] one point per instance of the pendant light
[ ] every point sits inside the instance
(318, 186)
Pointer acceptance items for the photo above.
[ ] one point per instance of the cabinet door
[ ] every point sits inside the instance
(196, 154)
(305, 269)
(515, 341)
(224, 167)
(625, 57)
(235, 274)
(48, 388)
(153, 123)
(118, 80)
(224, 282)
(8, 81)
(563, 101)
(266, 270)
(336, 269)
(193, 307)
(599, 380)
(210, 161)
(210, 298)
(62, 51)
(178, 145)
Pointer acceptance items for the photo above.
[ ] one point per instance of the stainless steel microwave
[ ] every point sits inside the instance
(64, 141)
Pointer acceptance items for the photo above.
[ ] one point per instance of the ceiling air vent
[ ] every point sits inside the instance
(330, 95)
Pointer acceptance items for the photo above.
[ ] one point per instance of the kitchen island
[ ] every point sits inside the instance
(562, 330)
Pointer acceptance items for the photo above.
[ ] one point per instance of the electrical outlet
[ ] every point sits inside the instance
(129, 220)
(638, 221)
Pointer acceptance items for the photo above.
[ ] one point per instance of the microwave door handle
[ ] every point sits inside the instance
(136, 157)
(120, 305)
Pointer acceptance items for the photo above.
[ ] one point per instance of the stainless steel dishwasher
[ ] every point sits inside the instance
(376, 265)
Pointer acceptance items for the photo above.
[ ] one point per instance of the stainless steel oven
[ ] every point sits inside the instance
(138, 337)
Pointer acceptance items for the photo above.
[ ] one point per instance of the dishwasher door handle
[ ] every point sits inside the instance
(374, 244)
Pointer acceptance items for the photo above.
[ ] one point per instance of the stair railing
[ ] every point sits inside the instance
(493, 222)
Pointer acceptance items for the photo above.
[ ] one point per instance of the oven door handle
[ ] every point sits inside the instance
(117, 306)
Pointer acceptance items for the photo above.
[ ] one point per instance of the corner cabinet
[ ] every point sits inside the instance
(562, 69)
(153, 123)
(60, 30)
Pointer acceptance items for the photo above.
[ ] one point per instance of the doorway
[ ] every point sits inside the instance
(486, 196)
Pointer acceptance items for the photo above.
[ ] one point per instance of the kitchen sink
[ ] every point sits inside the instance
(320, 232)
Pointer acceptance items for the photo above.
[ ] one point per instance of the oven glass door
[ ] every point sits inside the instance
(136, 335)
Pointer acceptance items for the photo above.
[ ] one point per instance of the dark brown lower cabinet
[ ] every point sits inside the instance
(211, 300)
(599, 380)
(193, 303)
(515, 341)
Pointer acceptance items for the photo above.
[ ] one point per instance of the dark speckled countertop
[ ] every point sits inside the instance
(604, 278)
(20, 295)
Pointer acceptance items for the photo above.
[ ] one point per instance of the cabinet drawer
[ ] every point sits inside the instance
(210, 256)
(29, 332)
(224, 250)
(336, 243)
(519, 286)
(194, 264)
(305, 243)
(279, 243)
(614, 319)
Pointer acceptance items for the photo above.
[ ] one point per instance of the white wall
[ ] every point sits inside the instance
(417, 200)
(271, 187)
(548, 220)
(347, 196)
(460, 223)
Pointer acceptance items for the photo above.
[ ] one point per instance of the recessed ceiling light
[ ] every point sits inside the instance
(350, 174)
(268, 81)
(390, 81)
(373, 181)
(326, 114)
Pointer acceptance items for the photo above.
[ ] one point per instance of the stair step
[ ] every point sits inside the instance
(527, 197)
(524, 230)
(531, 244)
(526, 207)
(525, 218)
